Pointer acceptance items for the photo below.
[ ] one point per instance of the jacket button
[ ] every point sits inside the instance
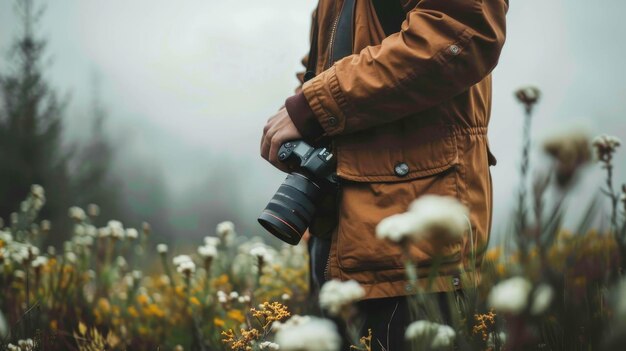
(454, 49)
(332, 121)
(401, 169)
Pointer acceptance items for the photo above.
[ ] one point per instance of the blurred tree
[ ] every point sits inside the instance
(92, 169)
(31, 127)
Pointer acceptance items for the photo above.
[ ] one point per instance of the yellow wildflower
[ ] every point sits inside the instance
(133, 311)
(218, 322)
(221, 280)
(493, 254)
(142, 299)
(236, 315)
(154, 310)
(194, 301)
(104, 305)
(484, 324)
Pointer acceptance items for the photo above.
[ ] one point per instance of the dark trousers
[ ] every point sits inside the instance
(387, 318)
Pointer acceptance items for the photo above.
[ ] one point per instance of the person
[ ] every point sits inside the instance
(406, 115)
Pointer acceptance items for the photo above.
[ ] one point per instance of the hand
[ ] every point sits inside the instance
(278, 130)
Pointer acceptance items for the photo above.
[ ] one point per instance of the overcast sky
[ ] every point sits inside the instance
(196, 79)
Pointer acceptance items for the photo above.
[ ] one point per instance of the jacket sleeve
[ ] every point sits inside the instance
(443, 49)
(300, 75)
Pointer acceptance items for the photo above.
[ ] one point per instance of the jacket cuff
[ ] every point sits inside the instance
(303, 118)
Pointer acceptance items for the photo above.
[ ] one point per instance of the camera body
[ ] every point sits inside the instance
(291, 209)
(317, 163)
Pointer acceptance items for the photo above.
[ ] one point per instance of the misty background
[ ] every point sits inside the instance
(185, 89)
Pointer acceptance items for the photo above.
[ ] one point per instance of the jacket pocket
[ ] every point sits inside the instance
(376, 191)
(411, 154)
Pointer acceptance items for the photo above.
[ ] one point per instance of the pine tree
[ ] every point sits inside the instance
(31, 127)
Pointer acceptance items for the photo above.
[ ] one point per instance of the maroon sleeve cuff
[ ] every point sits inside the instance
(303, 118)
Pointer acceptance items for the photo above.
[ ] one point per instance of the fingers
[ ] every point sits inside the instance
(266, 138)
(275, 143)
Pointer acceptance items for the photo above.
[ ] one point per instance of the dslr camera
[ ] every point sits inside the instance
(291, 209)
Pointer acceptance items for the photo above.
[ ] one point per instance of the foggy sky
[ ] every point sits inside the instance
(195, 81)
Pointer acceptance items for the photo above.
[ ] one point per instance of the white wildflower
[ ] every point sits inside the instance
(104, 232)
(137, 275)
(285, 297)
(84, 241)
(116, 228)
(128, 280)
(38, 203)
(120, 261)
(430, 216)
(222, 297)
(46, 225)
(315, 334)
(93, 210)
(146, 228)
(180, 259)
(33, 252)
(571, 151)
(268, 345)
(70, 257)
(528, 95)
(211, 241)
(262, 252)
(295, 320)
(91, 231)
(51, 250)
(20, 255)
(510, 296)
(132, 233)
(207, 251)
(162, 249)
(243, 299)
(37, 191)
(26, 345)
(491, 342)
(444, 337)
(335, 295)
(437, 335)
(396, 227)
(186, 267)
(6, 237)
(605, 146)
(226, 231)
(39, 262)
(76, 213)
(79, 230)
(233, 295)
(164, 279)
(542, 298)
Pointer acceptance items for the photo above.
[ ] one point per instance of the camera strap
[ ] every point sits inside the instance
(390, 15)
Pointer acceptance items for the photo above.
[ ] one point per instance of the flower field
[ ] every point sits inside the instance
(114, 288)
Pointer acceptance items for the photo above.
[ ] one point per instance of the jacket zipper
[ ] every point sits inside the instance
(332, 37)
(327, 268)
(337, 203)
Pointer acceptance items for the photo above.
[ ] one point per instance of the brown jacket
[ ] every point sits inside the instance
(408, 116)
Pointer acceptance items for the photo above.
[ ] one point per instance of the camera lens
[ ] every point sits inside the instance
(289, 213)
